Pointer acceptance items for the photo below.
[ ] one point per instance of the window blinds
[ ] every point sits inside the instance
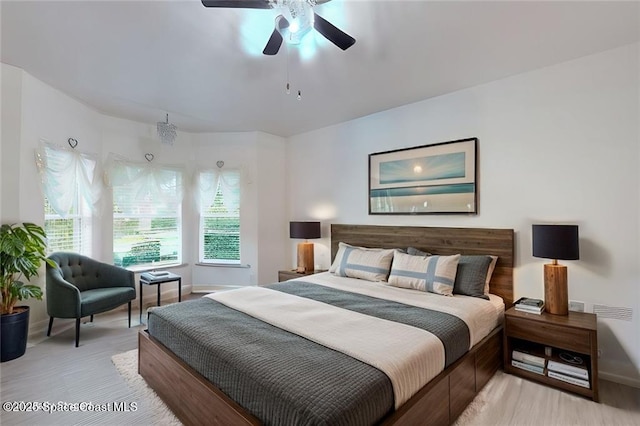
(72, 189)
(219, 206)
(147, 213)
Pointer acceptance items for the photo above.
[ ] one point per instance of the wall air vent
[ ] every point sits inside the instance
(613, 312)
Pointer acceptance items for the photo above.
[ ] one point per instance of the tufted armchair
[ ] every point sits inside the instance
(80, 286)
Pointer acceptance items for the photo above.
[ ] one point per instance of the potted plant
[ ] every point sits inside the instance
(22, 251)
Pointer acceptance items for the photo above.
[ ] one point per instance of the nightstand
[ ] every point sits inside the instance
(289, 274)
(532, 333)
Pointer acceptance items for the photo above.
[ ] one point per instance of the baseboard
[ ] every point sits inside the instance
(212, 288)
(623, 380)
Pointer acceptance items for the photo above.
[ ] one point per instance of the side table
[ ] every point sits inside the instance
(148, 279)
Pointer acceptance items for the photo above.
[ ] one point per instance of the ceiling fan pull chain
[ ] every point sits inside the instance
(288, 86)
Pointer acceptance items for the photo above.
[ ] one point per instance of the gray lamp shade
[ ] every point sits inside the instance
(556, 242)
(304, 230)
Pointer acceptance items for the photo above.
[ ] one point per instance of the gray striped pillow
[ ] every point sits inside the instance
(435, 274)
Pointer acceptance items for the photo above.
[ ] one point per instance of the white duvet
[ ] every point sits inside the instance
(481, 317)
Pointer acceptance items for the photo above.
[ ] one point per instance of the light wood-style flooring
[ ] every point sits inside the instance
(54, 370)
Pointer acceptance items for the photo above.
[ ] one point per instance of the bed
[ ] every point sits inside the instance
(195, 400)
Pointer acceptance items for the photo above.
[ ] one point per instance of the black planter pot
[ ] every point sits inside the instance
(14, 328)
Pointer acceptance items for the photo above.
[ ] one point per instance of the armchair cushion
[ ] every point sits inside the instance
(104, 299)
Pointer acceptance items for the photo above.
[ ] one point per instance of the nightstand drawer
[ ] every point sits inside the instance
(568, 338)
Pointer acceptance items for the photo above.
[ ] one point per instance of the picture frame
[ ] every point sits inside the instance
(430, 179)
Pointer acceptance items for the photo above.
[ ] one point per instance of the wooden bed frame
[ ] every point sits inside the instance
(195, 401)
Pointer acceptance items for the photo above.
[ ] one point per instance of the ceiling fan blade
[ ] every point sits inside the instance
(274, 43)
(333, 33)
(238, 4)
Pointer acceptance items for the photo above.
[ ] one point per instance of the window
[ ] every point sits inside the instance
(147, 215)
(71, 190)
(219, 216)
(71, 232)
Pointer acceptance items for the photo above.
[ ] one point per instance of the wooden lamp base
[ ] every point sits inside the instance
(556, 294)
(305, 257)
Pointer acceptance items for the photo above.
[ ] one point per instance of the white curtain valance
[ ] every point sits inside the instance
(163, 184)
(66, 175)
(207, 182)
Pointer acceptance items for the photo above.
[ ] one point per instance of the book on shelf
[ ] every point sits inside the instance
(527, 304)
(528, 367)
(528, 358)
(568, 379)
(571, 370)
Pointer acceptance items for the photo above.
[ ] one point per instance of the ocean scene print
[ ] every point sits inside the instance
(443, 166)
(458, 198)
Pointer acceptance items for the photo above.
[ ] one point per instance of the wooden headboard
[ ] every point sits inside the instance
(443, 241)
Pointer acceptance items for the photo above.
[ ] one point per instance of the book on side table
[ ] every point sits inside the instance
(154, 275)
(527, 304)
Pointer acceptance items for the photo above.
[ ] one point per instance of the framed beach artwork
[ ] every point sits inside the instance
(429, 179)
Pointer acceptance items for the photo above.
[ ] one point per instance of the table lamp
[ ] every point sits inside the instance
(556, 242)
(306, 231)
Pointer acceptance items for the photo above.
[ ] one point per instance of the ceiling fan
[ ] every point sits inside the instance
(296, 20)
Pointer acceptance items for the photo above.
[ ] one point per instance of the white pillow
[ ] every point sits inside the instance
(435, 274)
(341, 249)
(361, 262)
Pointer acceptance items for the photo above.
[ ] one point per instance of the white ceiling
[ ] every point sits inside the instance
(140, 59)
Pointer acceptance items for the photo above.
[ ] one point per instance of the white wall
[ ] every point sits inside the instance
(273, 231)
(11, 79)
(260, 157)
(560, 144)
(32, 110)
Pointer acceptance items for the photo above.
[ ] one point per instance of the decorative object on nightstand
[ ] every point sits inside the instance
(527, 304)
(306, 231)
(556, 242)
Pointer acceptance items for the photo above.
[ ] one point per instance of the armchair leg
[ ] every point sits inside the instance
(77, 331)
(50, 325)
(129, 313)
